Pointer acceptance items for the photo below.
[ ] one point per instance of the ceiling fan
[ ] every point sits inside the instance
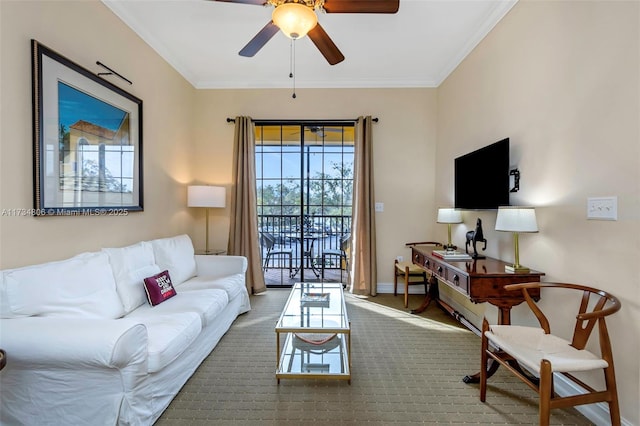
(297, 18)
(320, 131)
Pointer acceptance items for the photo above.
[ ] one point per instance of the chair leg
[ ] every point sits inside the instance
(426, 283)
(406, 287)
(395, 278)
(290, 266)
(545, 391)
(614, 405)
(266, 262)
(483, 361)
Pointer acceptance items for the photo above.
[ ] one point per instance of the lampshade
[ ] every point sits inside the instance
(516, 219)
(449, 215)
(295, 20)
(206, 196)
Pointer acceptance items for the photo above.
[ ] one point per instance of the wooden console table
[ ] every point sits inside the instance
(481, 280)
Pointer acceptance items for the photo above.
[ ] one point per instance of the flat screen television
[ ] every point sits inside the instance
(482, 178)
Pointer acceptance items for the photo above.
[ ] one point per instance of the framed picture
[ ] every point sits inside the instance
(87, 139)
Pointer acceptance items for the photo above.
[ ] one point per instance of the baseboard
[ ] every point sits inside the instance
(597, 413)
(387, 288)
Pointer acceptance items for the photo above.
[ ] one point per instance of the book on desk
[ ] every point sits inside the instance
(451, 255)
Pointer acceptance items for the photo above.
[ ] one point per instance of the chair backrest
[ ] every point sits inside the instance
(267, 240)
(590, 311)
(424, 243)
(345, 241)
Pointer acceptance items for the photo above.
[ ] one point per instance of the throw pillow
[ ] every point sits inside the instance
(159, 288)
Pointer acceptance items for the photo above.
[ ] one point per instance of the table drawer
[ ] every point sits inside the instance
(438, 269)
(458, 281)
(418, 258)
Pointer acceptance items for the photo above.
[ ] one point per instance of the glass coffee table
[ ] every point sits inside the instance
(317, 334)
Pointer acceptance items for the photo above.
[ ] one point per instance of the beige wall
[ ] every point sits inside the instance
(562, 80)
(85, 32)
(404, 151)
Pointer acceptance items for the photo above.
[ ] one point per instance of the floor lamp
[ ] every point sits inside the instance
(206, 196)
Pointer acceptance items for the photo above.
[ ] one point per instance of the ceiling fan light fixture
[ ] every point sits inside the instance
(295, 20)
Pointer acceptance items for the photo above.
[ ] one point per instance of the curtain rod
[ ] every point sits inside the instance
(233, 120)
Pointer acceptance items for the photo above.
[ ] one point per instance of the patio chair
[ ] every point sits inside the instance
(268, 241)
(340, 253)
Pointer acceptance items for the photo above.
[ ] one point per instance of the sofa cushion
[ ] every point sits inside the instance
(175, 254)
(131, 265)
(82, 286)
(159, 288)
(206, 303)
(233, 285)
(168, 336)
(5, 307)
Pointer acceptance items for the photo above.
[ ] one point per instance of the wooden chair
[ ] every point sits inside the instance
(411, 273)
(269, 242)
(543, 354)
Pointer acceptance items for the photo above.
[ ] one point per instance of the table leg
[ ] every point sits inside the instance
(504, 318)
(277, 353)
(432, 294)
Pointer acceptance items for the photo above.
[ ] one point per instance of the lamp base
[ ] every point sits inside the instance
(516, 268)
(450, 247)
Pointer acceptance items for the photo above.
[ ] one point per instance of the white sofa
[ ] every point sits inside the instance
(85, 347)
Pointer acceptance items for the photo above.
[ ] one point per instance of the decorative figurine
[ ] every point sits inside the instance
(473, 237)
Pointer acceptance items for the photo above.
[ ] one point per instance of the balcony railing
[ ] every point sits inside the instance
(307, 238)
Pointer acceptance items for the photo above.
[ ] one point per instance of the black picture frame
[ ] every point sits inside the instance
(87, 140)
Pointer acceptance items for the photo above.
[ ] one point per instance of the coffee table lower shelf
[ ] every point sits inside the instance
(300, 359)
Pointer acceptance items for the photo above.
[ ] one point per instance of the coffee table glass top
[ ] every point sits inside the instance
(315, 307)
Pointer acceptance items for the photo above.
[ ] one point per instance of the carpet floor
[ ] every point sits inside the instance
(406, 369)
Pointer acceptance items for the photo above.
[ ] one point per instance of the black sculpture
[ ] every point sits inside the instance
(473, 237)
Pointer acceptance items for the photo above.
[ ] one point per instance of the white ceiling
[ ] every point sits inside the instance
(417, 47)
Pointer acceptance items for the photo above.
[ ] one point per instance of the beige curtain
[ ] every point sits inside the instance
(243, 230)
(363, 227)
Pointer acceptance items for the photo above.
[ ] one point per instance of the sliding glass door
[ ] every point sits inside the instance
(304, 180)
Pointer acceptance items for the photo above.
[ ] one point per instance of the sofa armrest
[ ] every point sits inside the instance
(73, 342)
(219, 266)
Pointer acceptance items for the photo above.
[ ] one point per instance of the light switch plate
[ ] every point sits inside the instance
(602, 208)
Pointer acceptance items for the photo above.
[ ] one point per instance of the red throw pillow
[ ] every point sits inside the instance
(159, 288)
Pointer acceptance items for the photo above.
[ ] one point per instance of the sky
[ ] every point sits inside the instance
(74, 105)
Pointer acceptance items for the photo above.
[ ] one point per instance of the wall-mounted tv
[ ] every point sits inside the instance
(482, 178)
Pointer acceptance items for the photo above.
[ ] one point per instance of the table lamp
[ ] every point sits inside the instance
(516, 220)
(449, 216)
(206, 196)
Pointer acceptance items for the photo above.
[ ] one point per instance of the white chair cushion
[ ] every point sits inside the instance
(169, 336)
(176, 255)
(82, 286)
(131, 265)
(530, 345)
(232, 284)
(206, 303)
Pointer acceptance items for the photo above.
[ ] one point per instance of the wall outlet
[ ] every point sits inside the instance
(379, 207)
(400, 258)
(602, 208)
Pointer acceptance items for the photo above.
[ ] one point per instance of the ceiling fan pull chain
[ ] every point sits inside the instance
(292, 65)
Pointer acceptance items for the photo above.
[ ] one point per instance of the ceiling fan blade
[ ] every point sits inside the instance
(361, 6)
(259, 40)
(325, 45)
(257, 2)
